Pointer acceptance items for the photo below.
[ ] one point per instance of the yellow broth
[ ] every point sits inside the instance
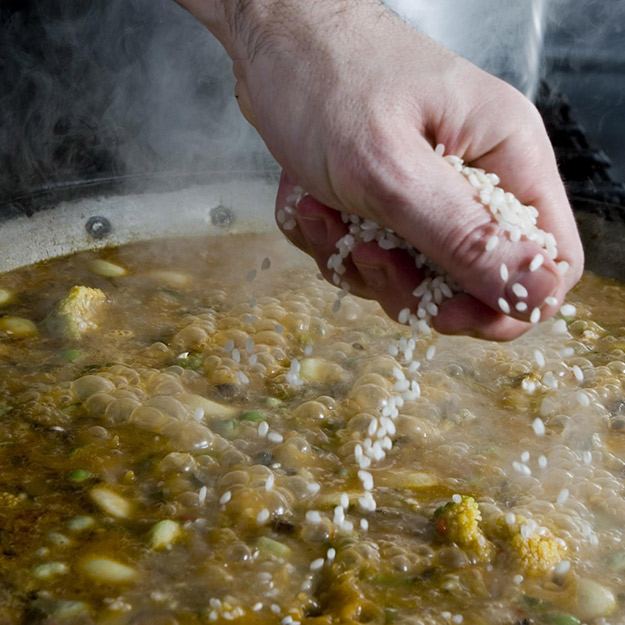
(128, 498)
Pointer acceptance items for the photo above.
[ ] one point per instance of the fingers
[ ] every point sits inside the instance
(388, 276)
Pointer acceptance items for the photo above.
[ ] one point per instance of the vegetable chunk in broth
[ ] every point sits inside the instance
(193, 433)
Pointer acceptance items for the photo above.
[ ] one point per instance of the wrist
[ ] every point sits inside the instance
(245, 27)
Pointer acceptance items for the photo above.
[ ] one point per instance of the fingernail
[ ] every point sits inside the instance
(314, 229)
(374, 275)
(539, 284)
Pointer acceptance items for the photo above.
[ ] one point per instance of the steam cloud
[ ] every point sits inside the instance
(120, 88)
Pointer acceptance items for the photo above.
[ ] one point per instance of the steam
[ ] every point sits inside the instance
(505, 39)
(121, 88)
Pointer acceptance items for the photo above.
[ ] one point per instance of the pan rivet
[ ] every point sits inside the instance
(221, 216)
(98, 227)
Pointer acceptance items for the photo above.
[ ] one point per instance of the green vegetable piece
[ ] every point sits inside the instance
(68, 609)
(225, 427)
(59, 540)
(534, 603)
(192, 361)
(616, 561)
(252, 415)
(50, 569)
(71, 354)
(269, 545)
(80, 523)
(272, 402)
(563, 619)
(393, 581)
(79, 475)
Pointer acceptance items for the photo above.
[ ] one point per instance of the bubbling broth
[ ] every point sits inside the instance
(194, 432)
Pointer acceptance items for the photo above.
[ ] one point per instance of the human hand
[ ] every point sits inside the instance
(351, 101)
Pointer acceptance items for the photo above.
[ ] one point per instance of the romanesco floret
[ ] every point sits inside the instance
(458, 522)
(78, 312)
(535, 550)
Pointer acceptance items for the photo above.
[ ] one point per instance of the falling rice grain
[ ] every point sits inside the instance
(317, 564)
(578, 373)
(568, 310)
(539, 358)
(582, 398)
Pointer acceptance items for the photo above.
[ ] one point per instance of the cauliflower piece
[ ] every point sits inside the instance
(9, 500)
(459, 522)
(534, 548)
(78, 312)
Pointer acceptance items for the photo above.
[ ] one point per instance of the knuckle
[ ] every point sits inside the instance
(464, 244)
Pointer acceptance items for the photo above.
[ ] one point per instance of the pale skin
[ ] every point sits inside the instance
(351, 101)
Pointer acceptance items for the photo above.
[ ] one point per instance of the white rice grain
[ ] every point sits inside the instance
(504, 306)
(317, 564)
(539, 426)
(503, 272)
(536, 262)
(519, 290)
(492, 242)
